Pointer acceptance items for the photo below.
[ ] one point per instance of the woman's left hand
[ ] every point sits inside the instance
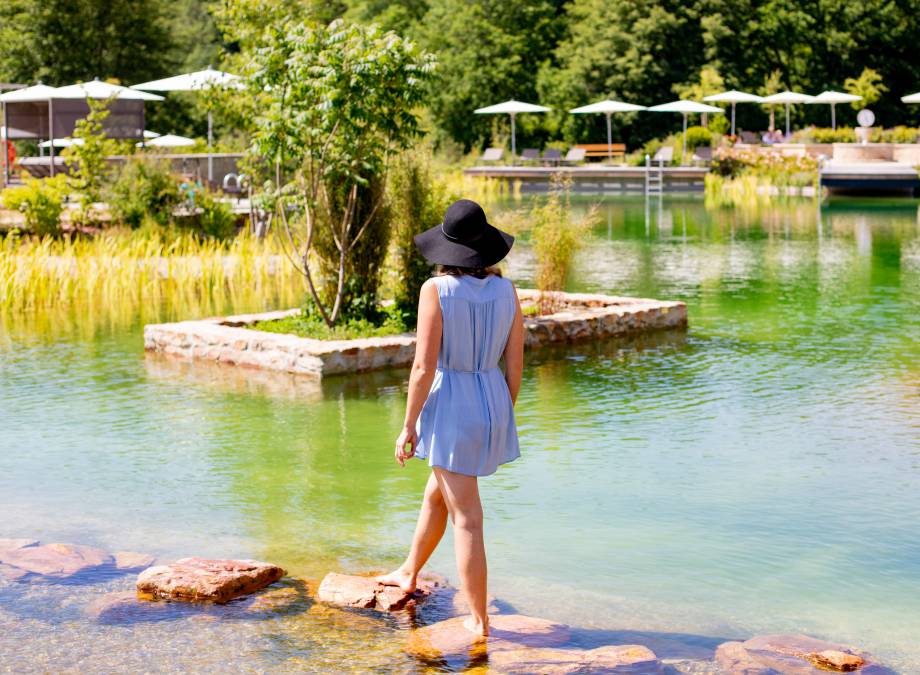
(405, 445)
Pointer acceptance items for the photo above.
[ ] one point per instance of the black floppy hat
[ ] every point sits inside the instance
(464, 239)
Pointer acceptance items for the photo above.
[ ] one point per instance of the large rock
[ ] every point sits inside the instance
(54, 561)
(792, 654)
(199, 579)
(632, 659)
(364, 592)
(507, 632)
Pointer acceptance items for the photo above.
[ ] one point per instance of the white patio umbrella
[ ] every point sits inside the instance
(200, 80)
(61, 142)
(169, 141)
(787, 98)
(150, 134)
(511, 108)
(913, 98)
(607, 107)
(39, 93)
(685, 108)
(733, 96)
(834, 97)
(99, 89)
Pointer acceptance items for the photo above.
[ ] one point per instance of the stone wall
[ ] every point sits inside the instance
(230, 340)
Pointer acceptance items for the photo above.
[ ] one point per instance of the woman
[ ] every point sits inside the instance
(460, 412)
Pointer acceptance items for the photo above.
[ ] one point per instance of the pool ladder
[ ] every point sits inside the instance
(654, 177)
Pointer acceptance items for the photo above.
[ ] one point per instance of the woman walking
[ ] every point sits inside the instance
(460, 412)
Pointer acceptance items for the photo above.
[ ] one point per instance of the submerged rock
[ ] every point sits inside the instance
(507, 632)
(632, 659)
(365, 592)
(794, 654)
(52, 561)
(199, 579)
(125, 607)
(131, 561)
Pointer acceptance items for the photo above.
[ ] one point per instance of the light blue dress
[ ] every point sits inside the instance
(467, 422)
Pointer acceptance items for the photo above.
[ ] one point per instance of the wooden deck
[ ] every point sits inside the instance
(596, 177)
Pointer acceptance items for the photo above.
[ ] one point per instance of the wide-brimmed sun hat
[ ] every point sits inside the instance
(464, 238)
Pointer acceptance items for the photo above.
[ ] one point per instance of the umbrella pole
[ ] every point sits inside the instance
(787, 120)
(833, 117)
(733, 118)
(609, 141)
(683, 152)
(51, 133)
(513, 146)
(6, 149)
(210, 139)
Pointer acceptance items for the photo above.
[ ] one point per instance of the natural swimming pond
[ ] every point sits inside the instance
(758, 473)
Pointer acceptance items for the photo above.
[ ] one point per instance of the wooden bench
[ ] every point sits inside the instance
(603, 150)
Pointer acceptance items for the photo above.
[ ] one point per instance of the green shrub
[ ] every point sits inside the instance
(719, 124)
(41, 201)
(209, 216)
(144, 188)
(698, 137)
(899, 134)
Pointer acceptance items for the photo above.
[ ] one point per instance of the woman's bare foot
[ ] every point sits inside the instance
(399, 577)
(476, 627)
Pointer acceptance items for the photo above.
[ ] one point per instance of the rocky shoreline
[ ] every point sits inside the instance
(517, 644)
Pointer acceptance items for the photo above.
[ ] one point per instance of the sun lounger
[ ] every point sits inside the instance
(702, 154)
(750, 138)
(492, 155)
(664, 155)
(574, 156)
(530, 155)
(552, 156)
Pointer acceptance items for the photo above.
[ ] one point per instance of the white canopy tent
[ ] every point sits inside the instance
(685, 108)
(200, 80)
(39, 93)
(734, 96)
(98, 89)
(169, 141)
(511, 108)
(60, 142)
(788, 98)
(833, 98)
(607, 107)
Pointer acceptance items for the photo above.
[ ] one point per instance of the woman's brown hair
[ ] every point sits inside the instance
(478, 272)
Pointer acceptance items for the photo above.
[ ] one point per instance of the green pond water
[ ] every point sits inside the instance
(757, 473)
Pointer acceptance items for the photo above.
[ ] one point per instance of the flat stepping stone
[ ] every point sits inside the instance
(51, 561)
(131, 561)
(793, 654)
(507, 632)
(205, 580)
(632, 659)
(365, 592)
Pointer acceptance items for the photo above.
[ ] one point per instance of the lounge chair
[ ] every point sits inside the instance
(665, 155)
(492, 155)
(702, 154)
(552, 156)
(750, 138)
(530, 155)
(574, 156)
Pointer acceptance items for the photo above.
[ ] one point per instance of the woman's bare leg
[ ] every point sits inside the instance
(432, 521)
(461, 493)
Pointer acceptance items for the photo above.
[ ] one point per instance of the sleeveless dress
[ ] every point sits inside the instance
(467, 423)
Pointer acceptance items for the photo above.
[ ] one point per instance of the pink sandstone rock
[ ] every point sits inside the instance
(793, 654)
(55, 561)
(133, 561)
(507, 632)
(632, 659)
(199, 579)
(365, 592)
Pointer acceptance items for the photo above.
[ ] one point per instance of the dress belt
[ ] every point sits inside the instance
(475, 372)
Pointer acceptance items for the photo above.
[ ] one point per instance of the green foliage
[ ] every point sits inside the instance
(41, 201)
(868, 85)
(144, 188)
(89, 168)
(213, 217)
(556, 236)
(417, 203)
(698, 137)
(771, 168)
(899, 134)
(311, 325)
(719, 124)
(824, 135)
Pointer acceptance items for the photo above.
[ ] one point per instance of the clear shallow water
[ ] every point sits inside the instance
(757, 473)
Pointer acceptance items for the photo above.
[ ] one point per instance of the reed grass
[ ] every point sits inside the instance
(121, 275)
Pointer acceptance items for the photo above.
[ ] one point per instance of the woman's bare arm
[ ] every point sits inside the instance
(427, 347)
(514, 351)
